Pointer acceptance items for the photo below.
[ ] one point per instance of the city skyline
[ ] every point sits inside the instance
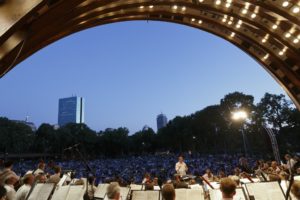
(134, 71)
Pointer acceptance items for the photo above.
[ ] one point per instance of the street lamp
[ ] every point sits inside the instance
(241, 116)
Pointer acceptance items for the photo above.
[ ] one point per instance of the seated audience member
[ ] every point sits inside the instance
(55, 178)
(296, 189)
(113, 191)
(91, 188)
(227, 187)
(9, 181)
(2, 193)
(40, 169)
(22, 192)
(168, 192)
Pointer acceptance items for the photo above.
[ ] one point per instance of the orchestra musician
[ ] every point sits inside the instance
(180, 167)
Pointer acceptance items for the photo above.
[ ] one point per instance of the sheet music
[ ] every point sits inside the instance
(265, 191)
(76, 192)
(136, 187)
(145, 195)
(157, 188)
(124, 192)
(195, 194)
(62, 180)
(61, 193)
(217, 194)
(41, 191)
(245, 180)
(180, 194)
(101, 191)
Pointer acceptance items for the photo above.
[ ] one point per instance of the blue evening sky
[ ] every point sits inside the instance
(129, 72)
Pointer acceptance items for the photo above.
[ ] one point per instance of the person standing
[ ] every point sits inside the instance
(180, 167)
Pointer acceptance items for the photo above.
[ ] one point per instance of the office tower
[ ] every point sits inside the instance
(70, 110)
(161, 121)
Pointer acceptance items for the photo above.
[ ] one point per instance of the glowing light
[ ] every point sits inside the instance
(228, 5)
(175, 7)
(244, 11)
(230, 22)
(264, 40)
(232, 34)
(199, 21)
(239, 115)
(229, 1)
(238, 26)
(285, 4)
(240, 22)
(218, 2)
(274, 26)
(183, 8)
(253, 15)
(201, 1)
(296, 9)
(280, 53)
(193, 19)
(296, 40)
(151, 6)
(287, 35)
(224, 20)
(141, 7)
(266, 57)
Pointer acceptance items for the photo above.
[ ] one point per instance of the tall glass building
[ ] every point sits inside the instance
(70, 110)
(161, 120)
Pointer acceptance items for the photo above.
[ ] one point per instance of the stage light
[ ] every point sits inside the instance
(218, 2)
(199, 21)
(296, 9)
(266, 57)
(224, 20)
(264, 40)
(141, 7)
(183, 8)
(296, 40)
(230, 22)
(175, 7)
(240, 22)
(201, 1)
(244, 11)
(232, 34)
(238, 26)
(287, 35)
(228, 5)
(229, 1)
(285, 4)
(253, 15)
(280, 53)
(274, 26)
(151, 6)
(193, 19)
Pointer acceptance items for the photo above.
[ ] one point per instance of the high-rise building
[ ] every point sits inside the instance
(70, 110)
(161, 121)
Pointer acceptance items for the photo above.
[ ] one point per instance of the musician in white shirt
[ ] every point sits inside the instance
(22, 192)
(113, 191)
(180, 167)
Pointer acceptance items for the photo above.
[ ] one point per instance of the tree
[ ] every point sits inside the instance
(275, 110)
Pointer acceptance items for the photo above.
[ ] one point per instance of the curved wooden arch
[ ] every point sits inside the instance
(267, 30)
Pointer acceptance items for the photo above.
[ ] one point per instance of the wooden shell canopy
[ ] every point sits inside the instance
(267, 30)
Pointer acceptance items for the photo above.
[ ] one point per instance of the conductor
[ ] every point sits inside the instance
(180, 167)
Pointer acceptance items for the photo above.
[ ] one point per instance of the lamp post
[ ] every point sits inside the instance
(241, 116)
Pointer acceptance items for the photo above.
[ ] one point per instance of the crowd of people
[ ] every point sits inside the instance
(17, 178)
